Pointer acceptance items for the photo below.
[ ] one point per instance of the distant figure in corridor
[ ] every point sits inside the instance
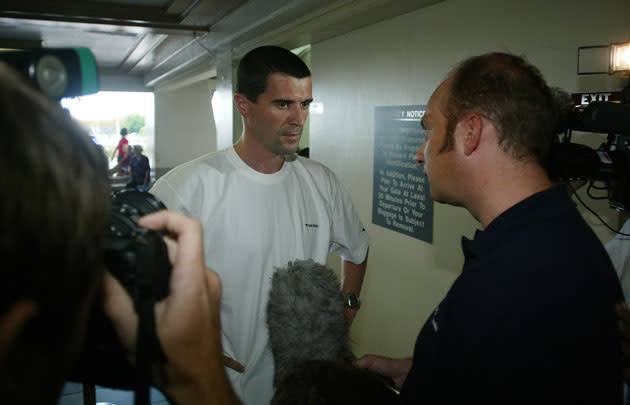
(122, 149)
(139, 169)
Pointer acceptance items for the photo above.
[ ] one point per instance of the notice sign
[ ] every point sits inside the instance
(400, 199)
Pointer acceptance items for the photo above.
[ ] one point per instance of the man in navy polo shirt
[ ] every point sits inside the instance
(531, 319)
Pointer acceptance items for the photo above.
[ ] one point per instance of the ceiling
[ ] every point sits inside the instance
(159, 40)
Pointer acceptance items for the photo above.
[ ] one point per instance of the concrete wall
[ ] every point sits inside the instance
(184, 124)
(400, 62)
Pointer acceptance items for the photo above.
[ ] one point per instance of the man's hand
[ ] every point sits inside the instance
(396, 369)
(350, 315)
(187, 321)
(233, 364)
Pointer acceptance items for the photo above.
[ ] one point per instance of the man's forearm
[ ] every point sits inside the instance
(352, 280)
(352, 276)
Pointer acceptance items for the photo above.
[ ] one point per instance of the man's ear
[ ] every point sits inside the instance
(13, 321)
(242, 103)
(473, 126)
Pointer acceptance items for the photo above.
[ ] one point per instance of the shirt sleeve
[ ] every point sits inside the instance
(349, 238)
(166, 192)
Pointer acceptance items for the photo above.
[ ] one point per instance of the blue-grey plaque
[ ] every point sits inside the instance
(400, 199)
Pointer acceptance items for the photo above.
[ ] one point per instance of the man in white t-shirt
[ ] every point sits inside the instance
(262, 206)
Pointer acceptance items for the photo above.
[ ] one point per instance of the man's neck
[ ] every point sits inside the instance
(508, 188)
(257, 157)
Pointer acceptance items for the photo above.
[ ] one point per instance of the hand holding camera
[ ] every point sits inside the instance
(187, 321)
(160, 321)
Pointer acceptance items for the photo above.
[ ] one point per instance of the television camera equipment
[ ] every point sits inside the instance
(56, 72)
(609, 164)
(607, 168)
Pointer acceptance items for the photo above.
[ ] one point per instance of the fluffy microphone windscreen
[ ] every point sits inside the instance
(306, 317)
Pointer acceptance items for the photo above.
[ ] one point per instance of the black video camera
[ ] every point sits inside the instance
(609, 164)
(56, 72)
(138, 258)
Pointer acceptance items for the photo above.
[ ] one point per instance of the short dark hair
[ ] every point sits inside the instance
(317, 382)
(511, 93)
(123, 132)
(259, 63)
(54, 211)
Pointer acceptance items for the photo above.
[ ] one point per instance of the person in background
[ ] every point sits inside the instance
(53, 235)
(531, 318)
(262, 206)
(124, 156)
(139, 169)
(122, 148)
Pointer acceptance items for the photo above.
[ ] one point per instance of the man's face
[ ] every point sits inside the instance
(438, 164)
(277, 119)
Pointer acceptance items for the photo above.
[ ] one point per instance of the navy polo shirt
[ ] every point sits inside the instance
(531, 318)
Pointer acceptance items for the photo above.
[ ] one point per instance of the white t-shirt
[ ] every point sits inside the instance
(253, 224)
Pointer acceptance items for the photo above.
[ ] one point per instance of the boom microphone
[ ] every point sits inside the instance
(306, 317)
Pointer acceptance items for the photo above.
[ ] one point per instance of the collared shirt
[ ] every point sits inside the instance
(530, 319)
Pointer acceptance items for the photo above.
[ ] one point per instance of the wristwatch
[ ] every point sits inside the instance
(352, 301)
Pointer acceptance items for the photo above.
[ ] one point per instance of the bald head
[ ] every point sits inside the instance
(509, 92)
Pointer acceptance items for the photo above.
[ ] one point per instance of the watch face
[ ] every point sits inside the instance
(352, 301)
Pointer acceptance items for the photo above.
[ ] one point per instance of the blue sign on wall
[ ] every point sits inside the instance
(400, 198)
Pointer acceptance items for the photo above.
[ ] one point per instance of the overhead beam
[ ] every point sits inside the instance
(179, 54)
(142, 50)
(10, 43)
(288, 23)
(100, 10)
(162, 27)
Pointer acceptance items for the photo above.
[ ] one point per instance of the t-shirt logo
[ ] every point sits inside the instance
(312, 225)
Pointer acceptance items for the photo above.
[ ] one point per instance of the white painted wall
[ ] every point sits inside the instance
(184, 124)
(400, 62)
